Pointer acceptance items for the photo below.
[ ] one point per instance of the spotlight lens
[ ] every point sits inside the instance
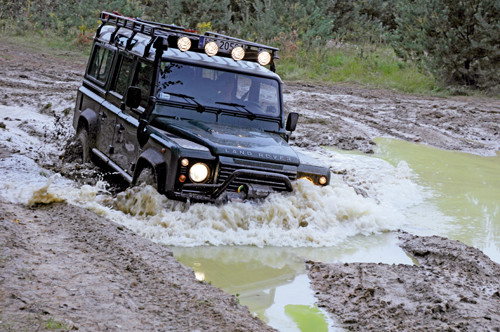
(199, 172)
(238, 53)
(308, 179)
(184, 44)
(185, 162)
(322, 180)
(211, 48)
(264, 58)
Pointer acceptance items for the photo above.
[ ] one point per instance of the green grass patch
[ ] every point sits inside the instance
(374, 65)
(47, 42)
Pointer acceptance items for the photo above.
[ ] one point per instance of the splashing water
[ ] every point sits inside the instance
(311, 216)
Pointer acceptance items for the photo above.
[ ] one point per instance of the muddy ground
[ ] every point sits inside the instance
(451, 287)
(64, 268)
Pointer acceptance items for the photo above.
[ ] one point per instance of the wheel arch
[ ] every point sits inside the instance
(153, 159)
(88, 120)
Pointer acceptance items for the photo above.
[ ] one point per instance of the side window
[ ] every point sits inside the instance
(101, 63)
(124, 68)
(143, 80)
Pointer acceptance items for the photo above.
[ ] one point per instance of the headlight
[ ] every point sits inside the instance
(199, 172)
(308, 179)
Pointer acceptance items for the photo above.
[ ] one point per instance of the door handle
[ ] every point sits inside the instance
(103, 115)
(120, 127)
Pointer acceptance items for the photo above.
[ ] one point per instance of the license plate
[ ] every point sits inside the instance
(225, 46)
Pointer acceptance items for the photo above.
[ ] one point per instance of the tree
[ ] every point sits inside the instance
(457, 40)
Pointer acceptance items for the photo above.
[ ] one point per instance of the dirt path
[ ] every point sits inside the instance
(65, 264)
(65, 268)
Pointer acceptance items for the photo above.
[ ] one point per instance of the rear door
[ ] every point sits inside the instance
(138, 74)
(93, 92)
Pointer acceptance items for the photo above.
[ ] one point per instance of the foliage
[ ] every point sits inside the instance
(458, 40)
(455, 40)
(359, 64)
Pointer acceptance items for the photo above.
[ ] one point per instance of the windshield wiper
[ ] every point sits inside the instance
(200, 108)
(250, 113)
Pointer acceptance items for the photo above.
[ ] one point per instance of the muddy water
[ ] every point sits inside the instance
(456, 195)
(465, 187)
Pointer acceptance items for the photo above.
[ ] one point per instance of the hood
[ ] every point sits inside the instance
(249, 143)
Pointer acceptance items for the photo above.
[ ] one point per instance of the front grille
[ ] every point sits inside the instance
(225, 170)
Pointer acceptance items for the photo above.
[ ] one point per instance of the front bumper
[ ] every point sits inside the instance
(251, 184)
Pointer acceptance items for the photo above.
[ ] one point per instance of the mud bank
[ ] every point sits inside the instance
(451, 287)
(66, 265)
(350, 117)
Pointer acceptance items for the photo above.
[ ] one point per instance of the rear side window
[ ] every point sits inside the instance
(101, 63)
(126, 65)
(143, 80)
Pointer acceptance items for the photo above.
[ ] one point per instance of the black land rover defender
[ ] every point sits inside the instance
(198, 116)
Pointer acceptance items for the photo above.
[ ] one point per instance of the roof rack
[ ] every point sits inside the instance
(225, 45)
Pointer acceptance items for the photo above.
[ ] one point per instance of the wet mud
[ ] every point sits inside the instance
(451, 287)
(62, 264)
(350, 117)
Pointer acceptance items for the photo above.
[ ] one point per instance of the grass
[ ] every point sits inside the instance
(46, 42)
(374, 66)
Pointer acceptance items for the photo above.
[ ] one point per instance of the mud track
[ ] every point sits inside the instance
(61, 264)
(452, 287)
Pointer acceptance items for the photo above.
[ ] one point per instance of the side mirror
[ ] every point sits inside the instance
(133, 99)
(291, 122)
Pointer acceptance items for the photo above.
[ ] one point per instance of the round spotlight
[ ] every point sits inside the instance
(184, 162)
(264, 58)
(307, 178)
(322, 180)
(211, 48)
(238, 53)
(184, 44)
(199, 172)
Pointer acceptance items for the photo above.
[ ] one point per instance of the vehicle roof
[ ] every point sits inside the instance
(173, 54)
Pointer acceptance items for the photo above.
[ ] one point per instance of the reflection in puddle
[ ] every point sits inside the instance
(271, 279)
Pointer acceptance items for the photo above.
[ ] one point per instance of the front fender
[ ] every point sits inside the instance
(155, 160)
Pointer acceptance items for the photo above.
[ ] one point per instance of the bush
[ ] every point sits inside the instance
(457, 40)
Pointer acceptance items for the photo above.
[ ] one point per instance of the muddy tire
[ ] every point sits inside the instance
(147, 176)
(82, 138)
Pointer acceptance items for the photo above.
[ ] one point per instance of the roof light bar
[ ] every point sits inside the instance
(189, 40)
(211, 48)
(264, 58)
(238, 53)
(184, 44)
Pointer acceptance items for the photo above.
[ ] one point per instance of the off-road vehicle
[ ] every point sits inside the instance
(199, 116)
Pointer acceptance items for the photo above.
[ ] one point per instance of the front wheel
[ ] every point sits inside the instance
(147, 176)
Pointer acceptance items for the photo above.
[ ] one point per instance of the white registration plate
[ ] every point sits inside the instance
(225, 46)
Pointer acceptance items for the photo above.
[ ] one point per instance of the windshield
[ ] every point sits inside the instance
(220, 89)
